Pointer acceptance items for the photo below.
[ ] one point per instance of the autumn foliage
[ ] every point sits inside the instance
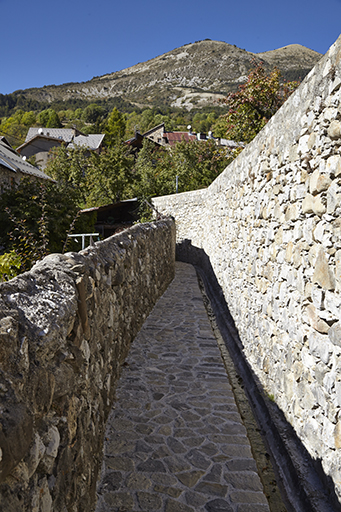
(255, 103)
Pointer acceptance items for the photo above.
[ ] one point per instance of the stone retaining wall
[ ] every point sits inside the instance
(65, 329)
(270, 225)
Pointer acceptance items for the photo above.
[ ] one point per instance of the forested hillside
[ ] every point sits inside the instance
(96, 118)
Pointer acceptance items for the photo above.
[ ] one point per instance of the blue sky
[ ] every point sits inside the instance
(47, 42)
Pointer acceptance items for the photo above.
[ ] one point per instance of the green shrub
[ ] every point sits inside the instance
(10, 264)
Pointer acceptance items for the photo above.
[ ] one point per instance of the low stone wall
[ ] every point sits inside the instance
(65, 329)
(270, 226)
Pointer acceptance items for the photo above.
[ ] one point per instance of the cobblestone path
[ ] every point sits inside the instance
(175, 441)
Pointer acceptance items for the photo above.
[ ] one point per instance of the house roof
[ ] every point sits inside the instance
(10, 159)
(4, 163)
(3, 139)
(92, 141)
(108, 207)
(114, 213)
(174, 137)
(71, 136)
(35, 138)
(64, 134)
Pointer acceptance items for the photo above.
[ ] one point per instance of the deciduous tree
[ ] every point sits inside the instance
(115, 127)
(69, 167)
(35, 219)
(196, 164)
(92, 113)
(109, 175)
(49, 118)
(255, 103)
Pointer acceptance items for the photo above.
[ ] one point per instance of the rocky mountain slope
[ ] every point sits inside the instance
(196, 74)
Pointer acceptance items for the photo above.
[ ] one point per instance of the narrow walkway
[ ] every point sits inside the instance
(175, 441)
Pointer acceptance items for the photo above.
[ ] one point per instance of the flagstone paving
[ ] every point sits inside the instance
(175, 441)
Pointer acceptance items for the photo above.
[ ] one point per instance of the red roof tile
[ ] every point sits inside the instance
(174, 137)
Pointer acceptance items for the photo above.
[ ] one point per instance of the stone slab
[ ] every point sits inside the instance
(191, 454)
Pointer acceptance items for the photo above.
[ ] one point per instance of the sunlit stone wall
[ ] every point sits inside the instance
(65, 329)
(271, 227)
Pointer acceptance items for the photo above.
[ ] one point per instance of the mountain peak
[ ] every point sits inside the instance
(193, 75)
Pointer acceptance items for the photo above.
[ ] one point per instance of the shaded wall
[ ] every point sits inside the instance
(270, 225)
(65, 329)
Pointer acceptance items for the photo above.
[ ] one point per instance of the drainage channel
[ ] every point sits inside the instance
(290, 480)
(261, 456)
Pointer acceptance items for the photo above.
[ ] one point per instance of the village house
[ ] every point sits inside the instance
(160, 137)
(39, 142)
(13, 167)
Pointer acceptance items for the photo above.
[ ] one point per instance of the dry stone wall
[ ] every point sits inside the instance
(65, 329)
(271, 226)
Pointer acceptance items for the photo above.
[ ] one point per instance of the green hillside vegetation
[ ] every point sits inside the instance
(94, 118)
(184, 86)
(10, 103)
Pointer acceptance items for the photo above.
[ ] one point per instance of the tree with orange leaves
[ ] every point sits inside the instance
(254, 104)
